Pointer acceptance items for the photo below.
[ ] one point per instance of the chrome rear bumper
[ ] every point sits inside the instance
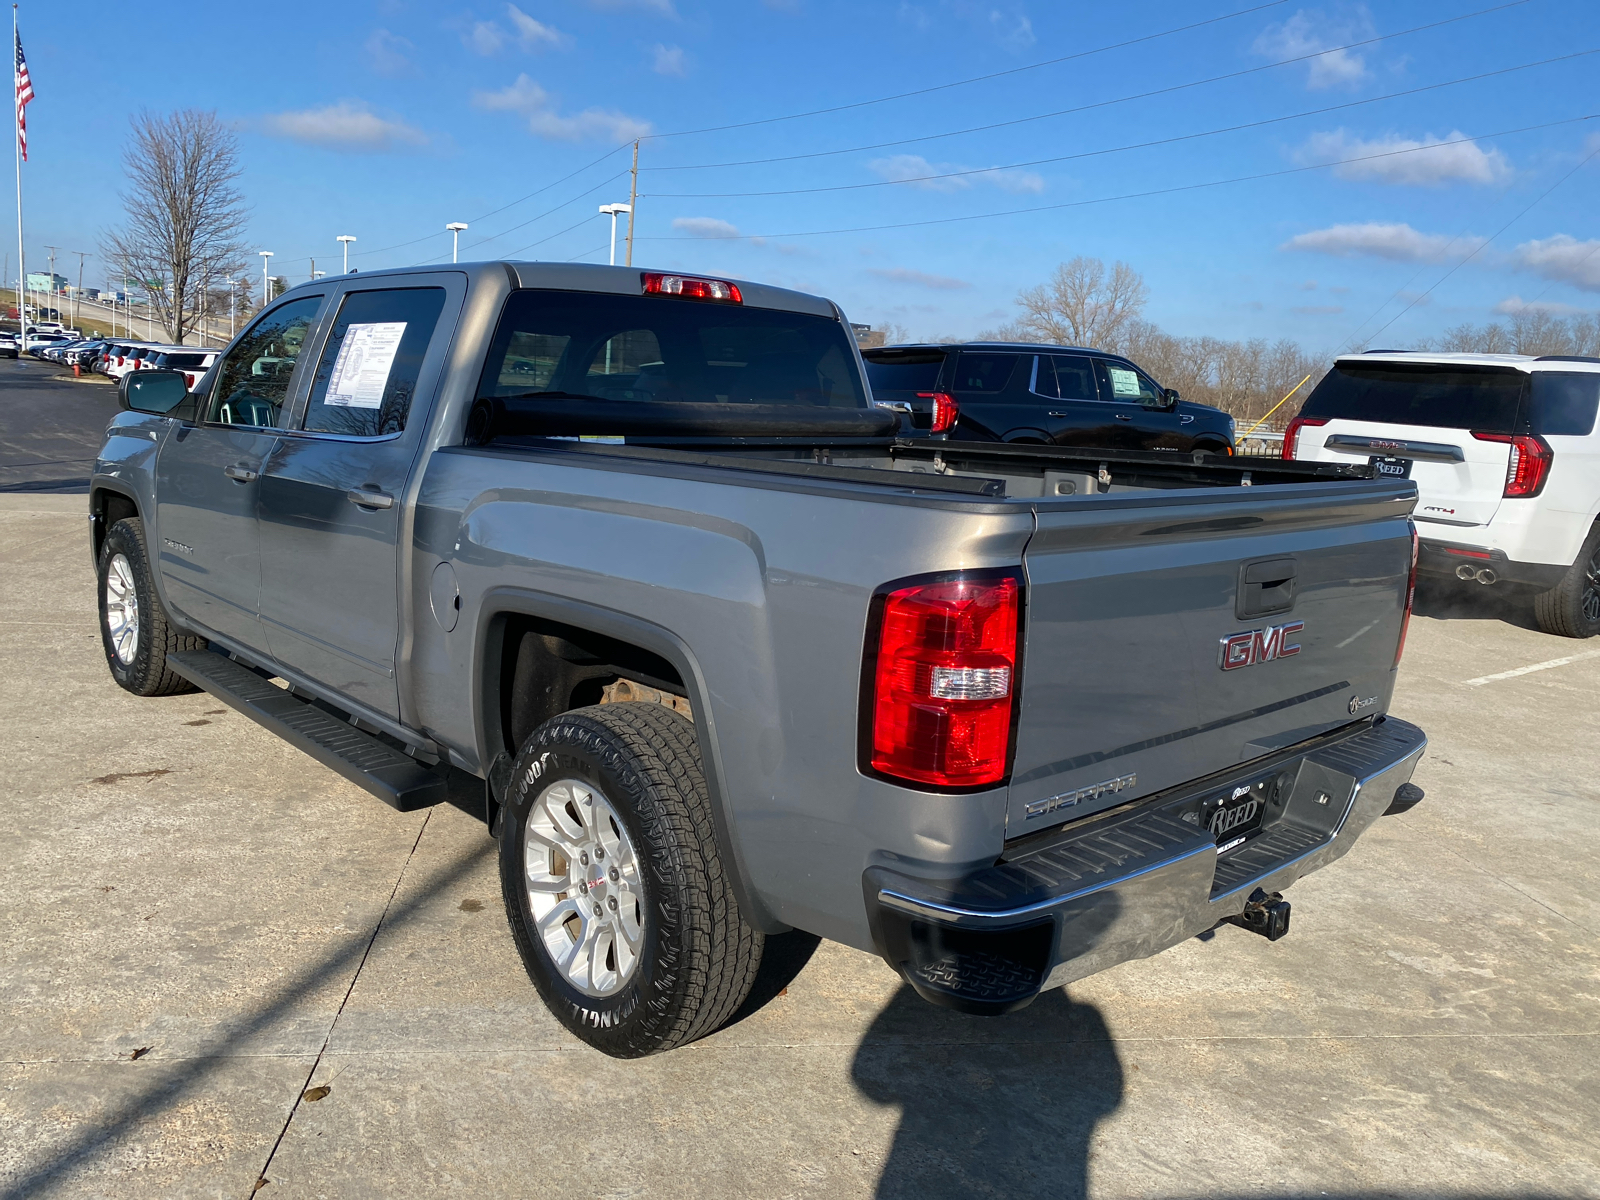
(1129, 883)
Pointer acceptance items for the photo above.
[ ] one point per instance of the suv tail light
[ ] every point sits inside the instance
(944, 409)
(940, 678)
(1411, 596)
(1529, 464)
(690, 288)
(1291, 435)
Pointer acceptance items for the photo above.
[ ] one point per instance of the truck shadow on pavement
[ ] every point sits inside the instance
(174, 1081)
(990, 1107)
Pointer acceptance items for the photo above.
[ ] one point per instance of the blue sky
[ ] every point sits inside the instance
(386, 120)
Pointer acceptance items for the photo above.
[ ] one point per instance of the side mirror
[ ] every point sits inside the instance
(1172, 397)
(154, 392)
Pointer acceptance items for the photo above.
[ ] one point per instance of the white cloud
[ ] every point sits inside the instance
(530, 101)
(348, 125)
(938, 283)
(705, 227)
(1513, 305)
(1564, 259)
(485, 38)
(533, 34)
(920, 173)
(670, 60)
(387, 52)
(1310, 30)
(1377, 239)
(1430, 162)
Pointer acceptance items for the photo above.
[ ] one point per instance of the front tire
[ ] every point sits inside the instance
(1572, 607)
(618, 900)
(134, 628)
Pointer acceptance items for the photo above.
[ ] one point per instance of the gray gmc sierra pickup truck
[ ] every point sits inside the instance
(732, 657)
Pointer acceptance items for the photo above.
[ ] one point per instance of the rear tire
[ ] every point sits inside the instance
(135, 631)
(1572, 607)
(677, 958)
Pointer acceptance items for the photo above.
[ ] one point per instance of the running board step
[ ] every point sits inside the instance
(395, 778)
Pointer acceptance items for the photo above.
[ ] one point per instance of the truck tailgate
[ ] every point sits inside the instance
(1129, 603)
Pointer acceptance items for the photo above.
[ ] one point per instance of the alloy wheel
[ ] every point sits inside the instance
(582, 880)
(122, 609)
(1591, 591)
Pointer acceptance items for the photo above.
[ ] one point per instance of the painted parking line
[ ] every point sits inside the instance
(1544, 666)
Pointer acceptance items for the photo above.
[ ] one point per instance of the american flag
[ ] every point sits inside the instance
(24, 94)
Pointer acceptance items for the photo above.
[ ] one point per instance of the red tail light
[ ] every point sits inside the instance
(1291, 435)
(942, 681)
(1411, 596)
(188, 379)
(690, 288)
(119, 360)
(944, 409)
(1529, 464)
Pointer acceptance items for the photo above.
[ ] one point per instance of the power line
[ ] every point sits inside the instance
(1483, 245)
(1188, 187)
(1037, 162)
(940, 87)
(548, 212)
(1064, 112)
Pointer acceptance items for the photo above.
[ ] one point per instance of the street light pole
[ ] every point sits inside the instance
(455, 228)
(231, 309)
(265, 254)
(346, 239)
(612, 210)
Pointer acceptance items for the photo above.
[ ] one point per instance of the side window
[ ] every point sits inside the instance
(368, 370)
(1120, 382)
(985, 372)
(1074, 377)
(254, 379)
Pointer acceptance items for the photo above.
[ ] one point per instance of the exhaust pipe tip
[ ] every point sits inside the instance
(1486, 576)
(1466, 572)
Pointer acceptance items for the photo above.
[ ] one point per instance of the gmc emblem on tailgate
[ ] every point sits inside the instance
(1259, 645)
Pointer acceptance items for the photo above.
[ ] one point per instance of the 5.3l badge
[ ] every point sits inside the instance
(1259, 645)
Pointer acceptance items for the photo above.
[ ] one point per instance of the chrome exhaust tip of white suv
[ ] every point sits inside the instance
(1484, 575)
(1465, 572)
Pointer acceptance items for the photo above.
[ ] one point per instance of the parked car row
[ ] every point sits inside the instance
(115, 358)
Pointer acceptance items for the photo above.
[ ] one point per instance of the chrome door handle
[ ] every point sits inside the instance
(1124, 417)
(1060, 414)
(239, 473)
(366, 499)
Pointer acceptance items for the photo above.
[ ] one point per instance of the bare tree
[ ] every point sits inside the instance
(185, 217)
(1081, 305)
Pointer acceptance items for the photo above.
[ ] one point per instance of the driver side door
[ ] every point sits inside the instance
(207, 477)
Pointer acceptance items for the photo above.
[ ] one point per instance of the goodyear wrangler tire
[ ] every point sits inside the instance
(134, 628)
(619, 903)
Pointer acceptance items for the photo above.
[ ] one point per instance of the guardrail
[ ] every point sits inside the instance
(1260, 444)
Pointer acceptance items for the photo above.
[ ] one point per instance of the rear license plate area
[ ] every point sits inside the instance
(1393, 468)
(1234, 814)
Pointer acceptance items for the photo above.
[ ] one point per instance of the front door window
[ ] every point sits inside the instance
(254, 380)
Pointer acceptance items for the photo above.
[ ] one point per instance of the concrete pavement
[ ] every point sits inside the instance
(178, 882)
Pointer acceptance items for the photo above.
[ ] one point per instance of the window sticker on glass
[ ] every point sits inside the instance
(362, 370)
(1124, 383)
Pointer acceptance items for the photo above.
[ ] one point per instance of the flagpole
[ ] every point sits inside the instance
(16, 139)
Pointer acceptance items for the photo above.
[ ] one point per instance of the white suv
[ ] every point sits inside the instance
(1505, 455)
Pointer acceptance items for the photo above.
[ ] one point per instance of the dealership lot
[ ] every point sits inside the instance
(181, 880)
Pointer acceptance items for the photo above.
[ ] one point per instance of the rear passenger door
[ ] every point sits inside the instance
(1070, 398)
(333, 491)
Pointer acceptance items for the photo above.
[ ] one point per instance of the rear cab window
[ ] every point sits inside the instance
(577, 346)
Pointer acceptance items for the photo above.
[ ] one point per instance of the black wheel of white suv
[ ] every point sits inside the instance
(1572, 607)
(134, 628)
(617, 897)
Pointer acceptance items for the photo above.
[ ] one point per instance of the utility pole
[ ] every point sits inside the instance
(633, 198)
(76, 296)
(52, 288)
(231, 309)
